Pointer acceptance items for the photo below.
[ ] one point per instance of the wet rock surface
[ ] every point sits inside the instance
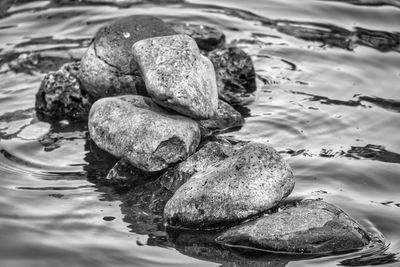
(207, 38)
(108, 67)
(235, 73)
(312, 226)
(251, 181)
(60, 95)
(227, 118)
(177, 76)
(210, 153)
(117, 123)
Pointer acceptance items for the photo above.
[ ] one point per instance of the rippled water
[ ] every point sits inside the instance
(328, 98)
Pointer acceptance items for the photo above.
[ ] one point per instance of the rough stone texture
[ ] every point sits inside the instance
(227, 118)
(108, 67)
(177, 76)
(207, 38)
(313, 226)
(101, 80)
(135, 128)
(210, 153)
(60, 95)
(251, 181)
(235, 73)
(123, 176)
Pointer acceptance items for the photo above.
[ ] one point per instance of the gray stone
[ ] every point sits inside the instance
(312, 226)
(135, 128)
(253, 180)
(60, 95)
(207, 38)
(235, 74)
(177, 76)
(210, 153)
(108, 67)
(227, 118)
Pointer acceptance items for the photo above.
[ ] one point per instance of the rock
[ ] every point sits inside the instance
(253, 180)
(207, 38)
(235, 73)
(135, 128)
(123, 176)
(312, 226)
(210, 153)
(102, 80)
(227, 118)
(108, 67)
(177, 76)
(60, 95)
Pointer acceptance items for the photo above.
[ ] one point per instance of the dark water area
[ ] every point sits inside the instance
(328, 98)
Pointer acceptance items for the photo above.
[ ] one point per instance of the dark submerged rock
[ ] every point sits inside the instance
(117, 123)
(60, 95)
(177, 76)
(235, 73)
(227, 118)
(108, 67)
(312, 226)
(207, 38)
(254, 179)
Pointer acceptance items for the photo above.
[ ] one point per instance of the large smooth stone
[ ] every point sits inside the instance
(108, 67)
(251, 181)
(210, 153)
(206, 37)
(227, 118)
(235, 74)
(60, 95)
(177, 76)
(312, 226)
(135, 128)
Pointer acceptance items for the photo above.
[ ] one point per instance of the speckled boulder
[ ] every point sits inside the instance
(108, 67)
(60, 95)
(210, 153)
(235, 74)
(135, 128)
(177, 76)
(207, 38)
(251, 181)
(227, 118)
(312, 226)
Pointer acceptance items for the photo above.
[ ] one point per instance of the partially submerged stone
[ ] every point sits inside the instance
(206, 37)
(209, 154)
(227, 118)
(135, 128)
(235, 73)
(60, 95)
(177, 76)
(312, 226)
(254, 179)
(108, 67)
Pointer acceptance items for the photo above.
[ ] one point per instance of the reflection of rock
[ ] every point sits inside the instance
(227, 118)
(251, 181)
(235, 73)
(201, 245)
(117, 123)
(211, 153)
(312, 226)
(124, 176)
(108, 67)
(177, 76)
(60, 95)
(207, 38)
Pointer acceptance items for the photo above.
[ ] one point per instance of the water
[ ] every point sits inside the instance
(328, 99)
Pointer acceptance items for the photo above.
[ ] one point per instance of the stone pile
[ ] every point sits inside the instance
(154, 98)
